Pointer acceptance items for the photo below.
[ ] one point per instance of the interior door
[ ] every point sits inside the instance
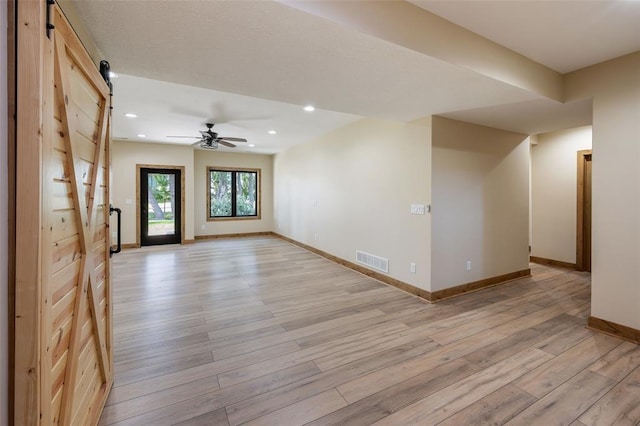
(67, 373)
(160, 206)
(583, 231)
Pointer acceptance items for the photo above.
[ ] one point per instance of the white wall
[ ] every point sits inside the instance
(4, 199)
(480, 203)
(352, 189)
(204, 159)
(615, 280)
(125, 156)
(554, 192)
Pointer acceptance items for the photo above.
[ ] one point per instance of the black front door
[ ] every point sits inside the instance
(160, 198)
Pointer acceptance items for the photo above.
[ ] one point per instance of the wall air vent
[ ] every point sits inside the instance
(375, 262)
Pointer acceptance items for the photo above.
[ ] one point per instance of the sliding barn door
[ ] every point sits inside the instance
(72, 371)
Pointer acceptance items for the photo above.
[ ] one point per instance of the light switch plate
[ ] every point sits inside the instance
(418, 208)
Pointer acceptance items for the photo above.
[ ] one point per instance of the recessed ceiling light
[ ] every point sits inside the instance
(309, 108)
(142, 136)
(251, 145)
(130, 115)
(113, 74)
(272, 132)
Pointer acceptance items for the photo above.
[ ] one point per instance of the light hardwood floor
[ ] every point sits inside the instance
(258, 331)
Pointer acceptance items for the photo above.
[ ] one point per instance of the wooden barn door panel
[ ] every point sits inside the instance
(74, 374)
(81, 103)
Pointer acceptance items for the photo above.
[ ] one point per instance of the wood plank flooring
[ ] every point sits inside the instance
(258, 331)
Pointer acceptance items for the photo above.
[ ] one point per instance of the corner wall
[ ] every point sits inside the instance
(124, 158)
(480, 207)
(204, 159)
(352, 190)
(615, 259)
(554, 192)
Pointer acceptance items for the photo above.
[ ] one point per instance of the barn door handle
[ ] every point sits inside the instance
(119, 247)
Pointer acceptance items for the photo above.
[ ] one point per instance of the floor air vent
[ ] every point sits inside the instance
(376, 262)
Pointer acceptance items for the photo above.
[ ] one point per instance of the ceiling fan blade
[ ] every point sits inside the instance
(190, 137)
(225, 143)
(233, 139)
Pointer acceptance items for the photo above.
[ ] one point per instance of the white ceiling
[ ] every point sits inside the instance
(166, 109)
(532, 117)
(564, 35)
(267, 51)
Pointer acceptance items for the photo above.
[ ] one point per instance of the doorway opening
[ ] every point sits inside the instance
(583, 240)
(160, 205)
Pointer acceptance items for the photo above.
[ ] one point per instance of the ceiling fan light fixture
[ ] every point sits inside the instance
(209, 139)
(309, 108)
(209, 145)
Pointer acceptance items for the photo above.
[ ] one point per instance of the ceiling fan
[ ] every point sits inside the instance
(209, 139)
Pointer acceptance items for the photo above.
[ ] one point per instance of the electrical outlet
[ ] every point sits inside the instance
(412, 268)
(468, 265)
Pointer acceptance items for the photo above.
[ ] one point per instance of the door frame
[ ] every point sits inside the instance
(182, 197)
(26, 199)
(582, 159)
(11, 202)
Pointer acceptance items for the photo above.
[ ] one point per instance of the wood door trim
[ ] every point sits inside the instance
(11, 182)
(581, 156)
(182, 198)
(29, 86)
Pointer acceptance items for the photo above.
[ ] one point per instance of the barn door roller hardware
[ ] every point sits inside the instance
(50, 26)
(105, 72)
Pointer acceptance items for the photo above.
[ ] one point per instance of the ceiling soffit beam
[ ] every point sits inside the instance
(407, 25)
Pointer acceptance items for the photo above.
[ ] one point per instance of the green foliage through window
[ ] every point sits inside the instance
(161, 191)
(233, 193)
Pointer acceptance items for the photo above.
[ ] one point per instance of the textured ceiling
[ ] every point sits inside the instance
(268, 51)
